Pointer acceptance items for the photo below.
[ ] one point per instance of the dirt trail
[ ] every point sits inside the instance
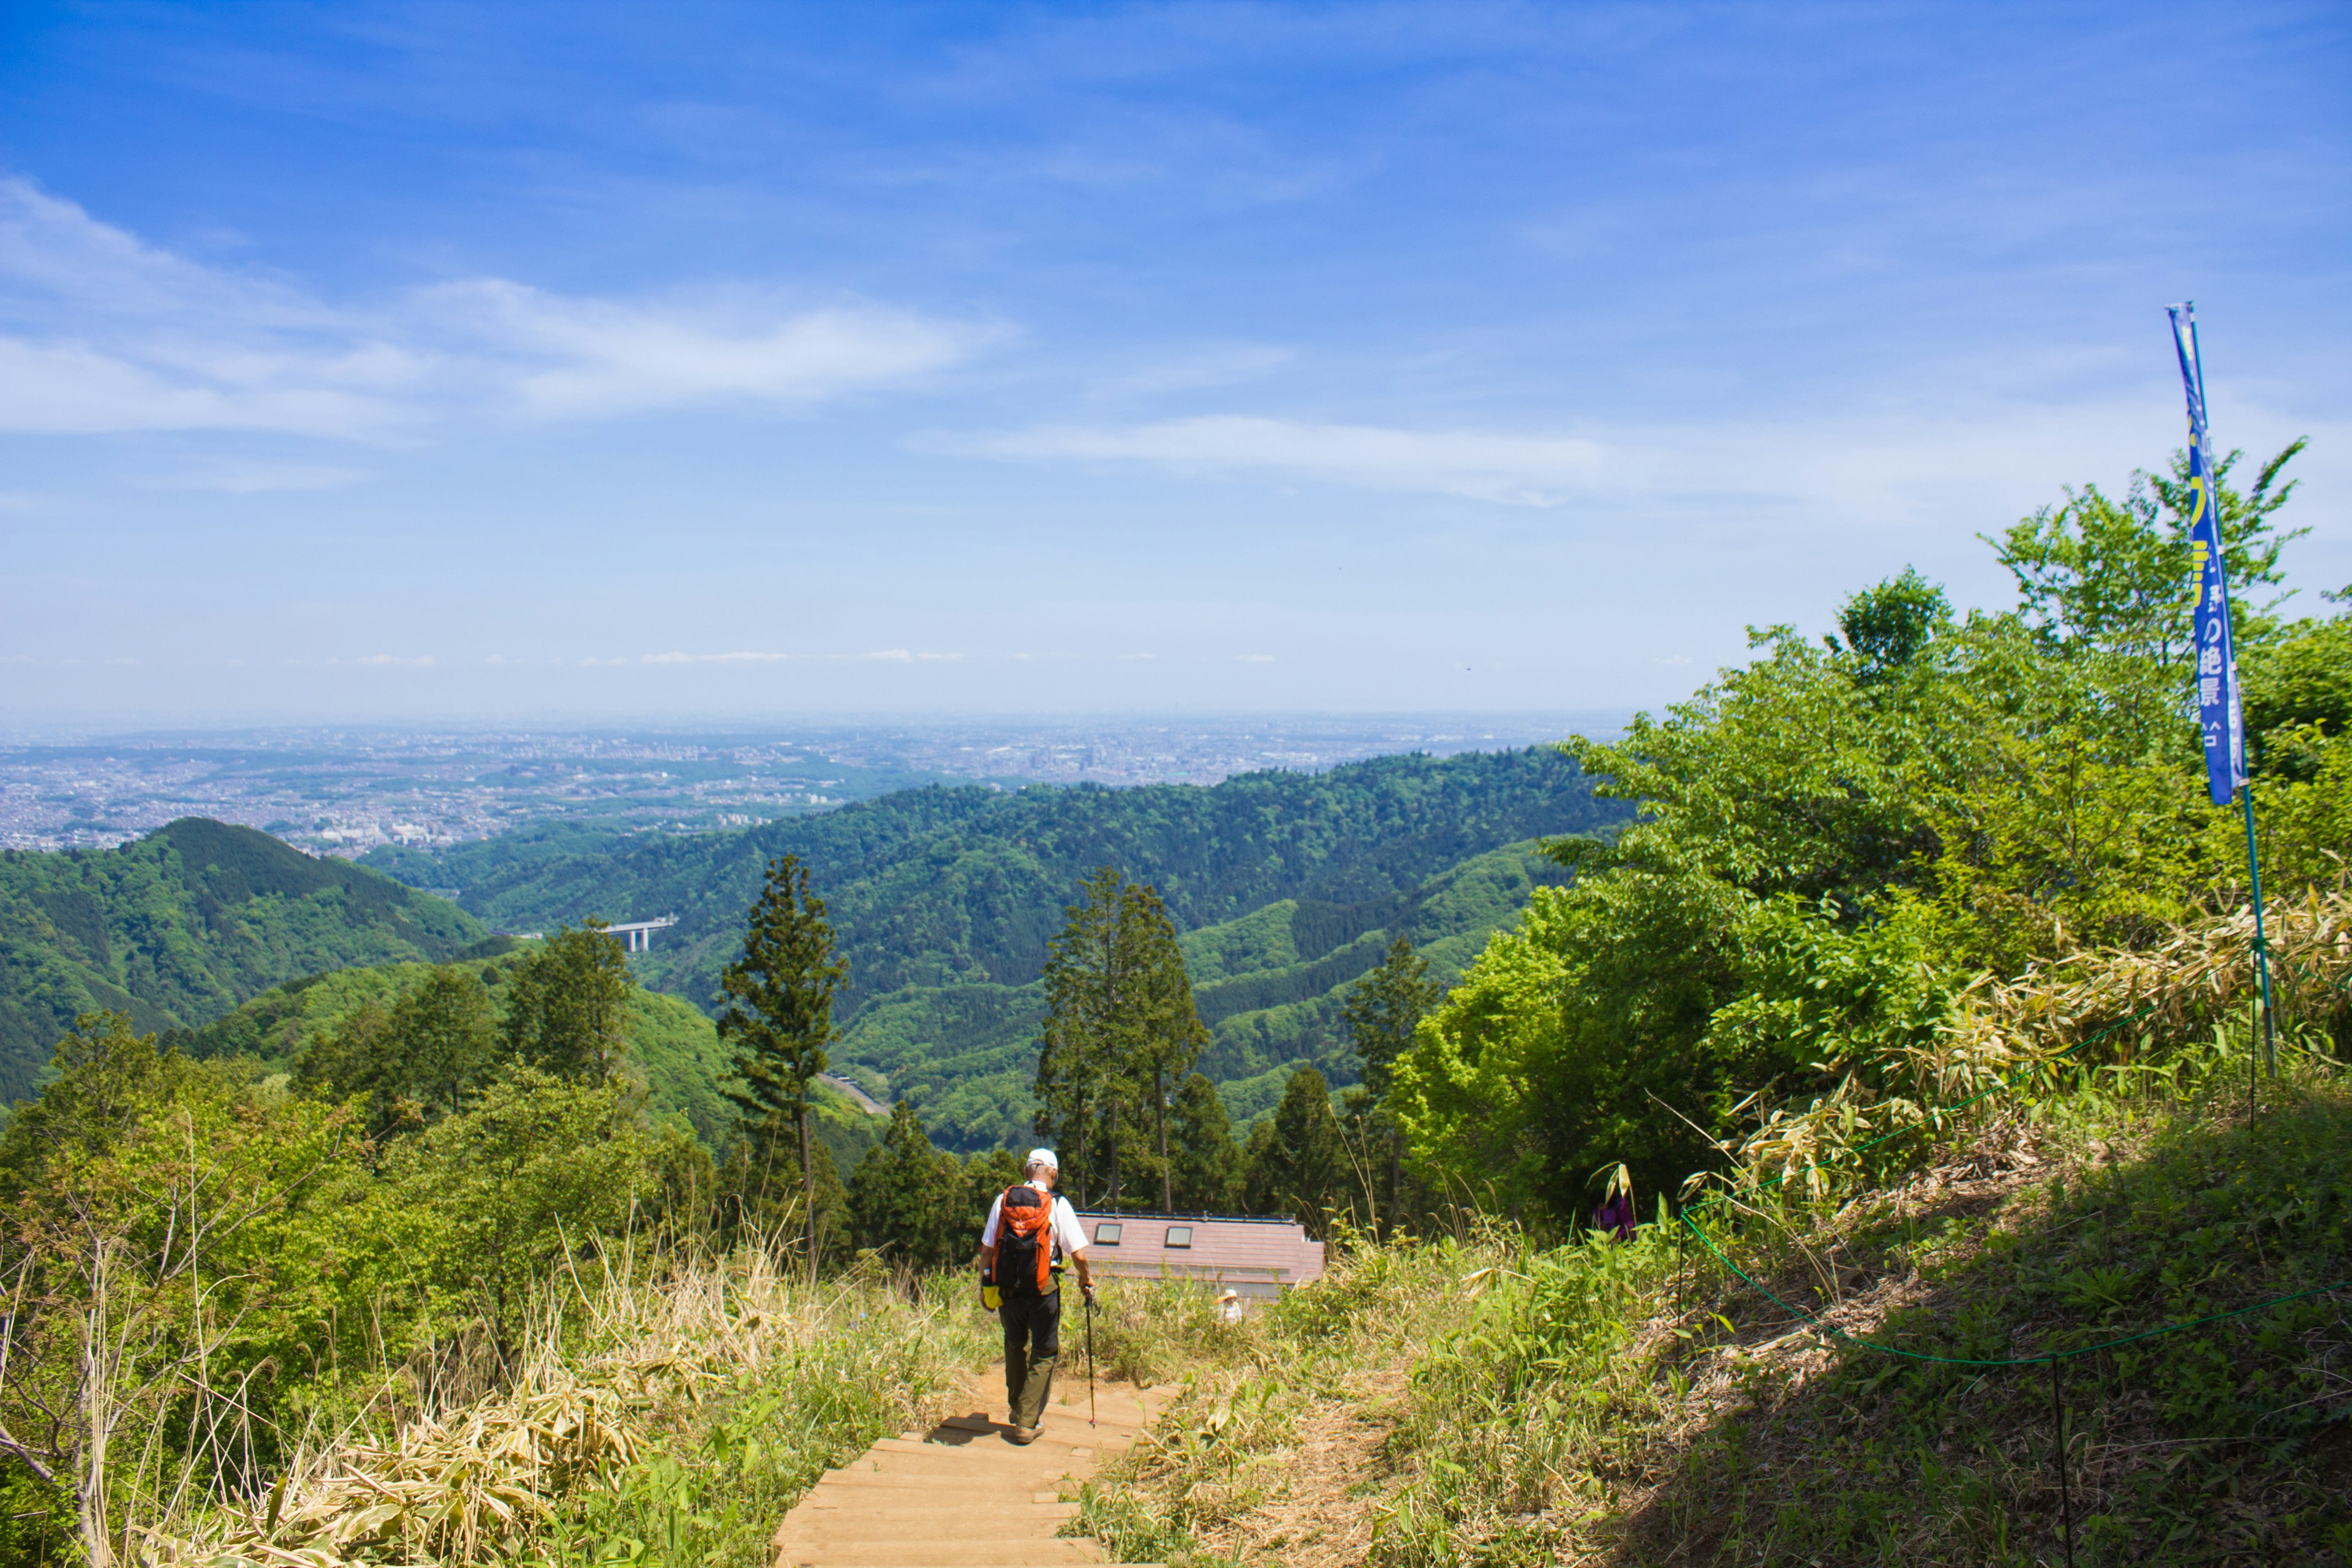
(963, 1495)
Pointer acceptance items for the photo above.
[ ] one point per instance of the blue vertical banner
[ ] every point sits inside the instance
(2218, 712)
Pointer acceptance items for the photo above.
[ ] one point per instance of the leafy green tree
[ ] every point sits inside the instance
(1887, 627)
(897, 1201)
(1205, 1168)
(2114, 574)
(566, 1003)
(1383, 1009)
(1300, 1167)
(1119, 1023)
(171, 1234)
(498, 1193)
(1382, 1012)
(1834, 838)
(779, 1016)
(414, 1061)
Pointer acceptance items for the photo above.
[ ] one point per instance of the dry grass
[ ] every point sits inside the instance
(640, 1360)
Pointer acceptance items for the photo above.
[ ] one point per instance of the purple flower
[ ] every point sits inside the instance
(1616, 1216)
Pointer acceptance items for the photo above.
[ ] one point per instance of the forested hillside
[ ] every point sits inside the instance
(939, 887)
(1291, 885)
(673, 1049)
(1268, 985)
(180, 927)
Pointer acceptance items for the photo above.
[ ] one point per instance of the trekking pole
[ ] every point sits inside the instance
(1090, 1355)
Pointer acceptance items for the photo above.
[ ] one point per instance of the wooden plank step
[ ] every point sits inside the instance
(908, 1553)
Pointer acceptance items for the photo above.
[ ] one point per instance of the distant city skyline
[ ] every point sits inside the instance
(346, 790)
(402, 361)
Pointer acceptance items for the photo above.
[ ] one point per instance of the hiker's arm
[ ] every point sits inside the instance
(987, 1258)
(1085, 1275)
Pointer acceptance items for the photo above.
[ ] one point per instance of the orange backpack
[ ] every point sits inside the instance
(1025, 1229)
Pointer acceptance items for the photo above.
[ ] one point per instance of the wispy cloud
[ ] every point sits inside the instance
(236, 478)
(883, 656)
(100, 331)
(1528, 470)
(1881, 465)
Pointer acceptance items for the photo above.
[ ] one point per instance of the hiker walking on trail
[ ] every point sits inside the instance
(1027, 1227)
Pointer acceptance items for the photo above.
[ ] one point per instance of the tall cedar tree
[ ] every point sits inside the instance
(901, 1199)
(1205, 1168)
(1296, 1161)
(779, 1016)
(1119, 1024)
(565, 1007)
(1382, 1011)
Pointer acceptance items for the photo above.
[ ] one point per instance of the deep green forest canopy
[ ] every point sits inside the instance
(185, 924)
(1288, 888)
(942, 887)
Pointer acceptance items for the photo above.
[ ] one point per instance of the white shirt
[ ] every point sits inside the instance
(1066, 1228)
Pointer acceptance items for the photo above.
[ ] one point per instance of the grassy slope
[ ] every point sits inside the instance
(186, 924)
(1485, 1400)
(1269, 984)
(675, 1046)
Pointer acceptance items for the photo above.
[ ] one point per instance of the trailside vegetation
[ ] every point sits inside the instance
(778, 1014)
(1837, 839)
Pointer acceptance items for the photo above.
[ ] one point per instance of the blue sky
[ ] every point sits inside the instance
(379, 362)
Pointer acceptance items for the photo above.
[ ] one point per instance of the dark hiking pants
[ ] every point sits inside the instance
(1033, 1340)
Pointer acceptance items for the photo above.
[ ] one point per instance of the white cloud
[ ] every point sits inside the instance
(100, 331)
(585, 358)
(416, 661)
(1527, 470)
(883, 656)
(1883, 465)
(233, 477)
(1253, 658)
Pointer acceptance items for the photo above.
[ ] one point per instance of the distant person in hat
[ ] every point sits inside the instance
(1229, 1305)
(1029, 1230)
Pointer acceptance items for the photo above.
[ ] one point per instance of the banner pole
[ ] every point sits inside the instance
(2262, 943)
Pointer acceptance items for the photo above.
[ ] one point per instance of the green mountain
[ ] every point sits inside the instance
(1269, 986)
(948, 887)
(674, 1048)
(185, 924)
(1290, 885)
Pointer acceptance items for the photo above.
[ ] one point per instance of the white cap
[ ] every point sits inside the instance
(1042, 1157)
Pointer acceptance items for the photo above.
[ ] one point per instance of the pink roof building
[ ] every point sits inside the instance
(1259, 1257)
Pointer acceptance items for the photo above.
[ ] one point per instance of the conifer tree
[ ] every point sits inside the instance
(1382, 1010)
(780, 1017)
(1119, 1024)
(566, 1006)
(1204, 1167)
(897, 1201)
(1296, 1159)
(414, 1061)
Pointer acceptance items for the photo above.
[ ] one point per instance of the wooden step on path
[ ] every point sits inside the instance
(964, 1495)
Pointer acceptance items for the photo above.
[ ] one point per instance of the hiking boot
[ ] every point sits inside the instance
(1024, 1433)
